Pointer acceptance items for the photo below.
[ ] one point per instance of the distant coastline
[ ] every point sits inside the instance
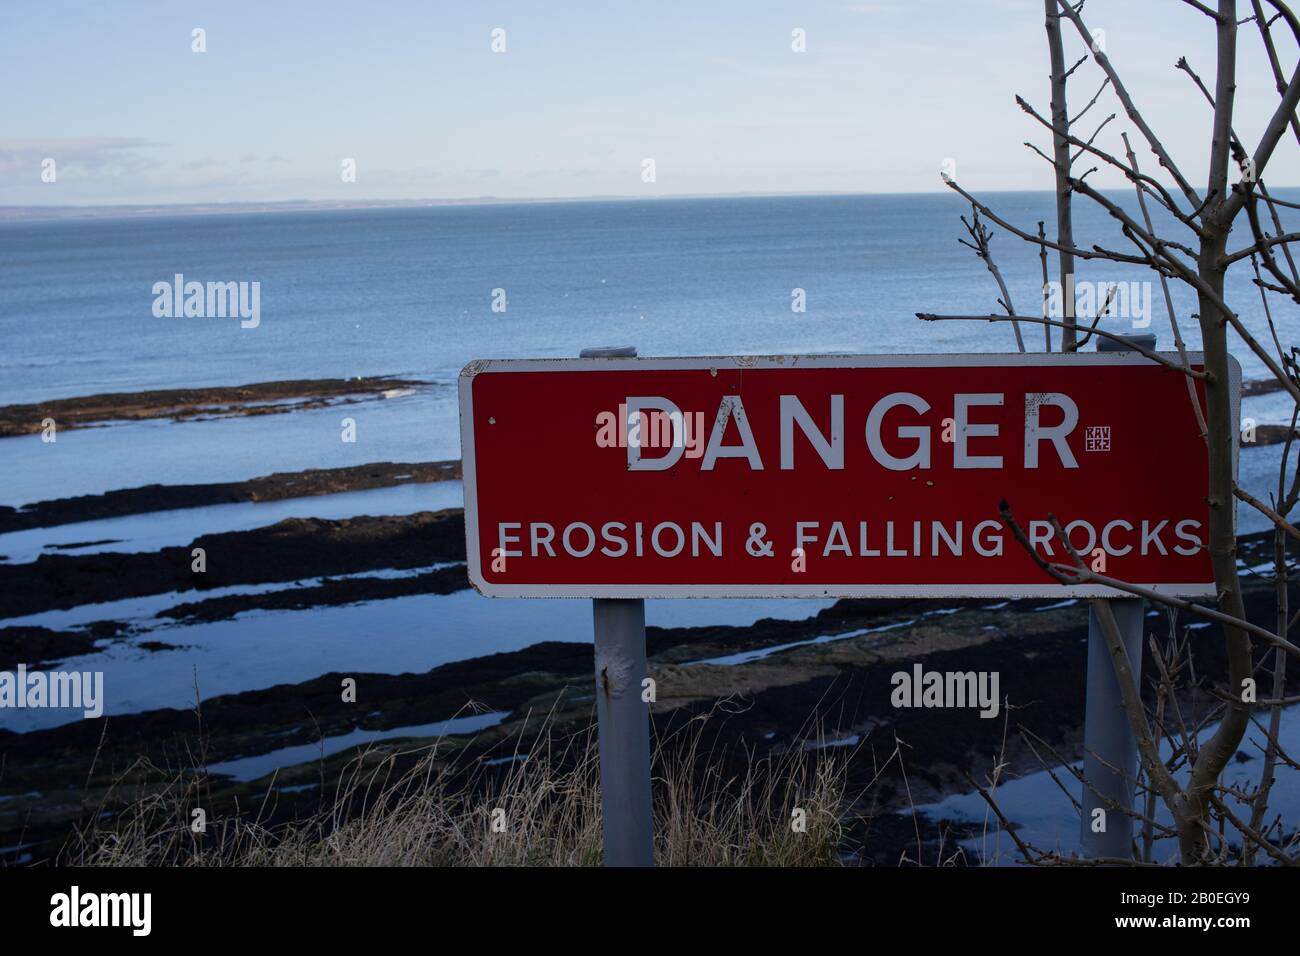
(155, 210)
(51, 213)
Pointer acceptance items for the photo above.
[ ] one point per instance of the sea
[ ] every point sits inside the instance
(410, 292)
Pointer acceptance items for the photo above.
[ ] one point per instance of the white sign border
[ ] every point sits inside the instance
(807, 590)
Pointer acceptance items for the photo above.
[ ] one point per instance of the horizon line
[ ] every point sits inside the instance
(54, 212)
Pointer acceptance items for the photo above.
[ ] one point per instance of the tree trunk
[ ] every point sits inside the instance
(1061, 161)
(1222, 746)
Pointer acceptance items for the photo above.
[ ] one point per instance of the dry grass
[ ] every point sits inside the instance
(545, 806)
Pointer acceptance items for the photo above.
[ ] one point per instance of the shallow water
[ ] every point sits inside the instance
(259, 649)
(1046, 819)
(162, 529)
(746, 657)
(251, 768)
(86, 461)
(141, 612)
(262, 648)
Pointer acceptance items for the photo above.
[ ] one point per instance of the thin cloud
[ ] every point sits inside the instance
(93, 155)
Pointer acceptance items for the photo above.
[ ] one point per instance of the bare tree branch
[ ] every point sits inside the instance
(980, 239)
(1127, 101)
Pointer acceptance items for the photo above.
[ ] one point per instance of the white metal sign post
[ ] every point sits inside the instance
(1110, 749)
(623, 719)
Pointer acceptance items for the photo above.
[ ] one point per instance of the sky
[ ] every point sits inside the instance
(584, 93)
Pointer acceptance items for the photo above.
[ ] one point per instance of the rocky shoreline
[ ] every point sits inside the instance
(801, 685)
(290, 550)
(189, 404)
(275, 487)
